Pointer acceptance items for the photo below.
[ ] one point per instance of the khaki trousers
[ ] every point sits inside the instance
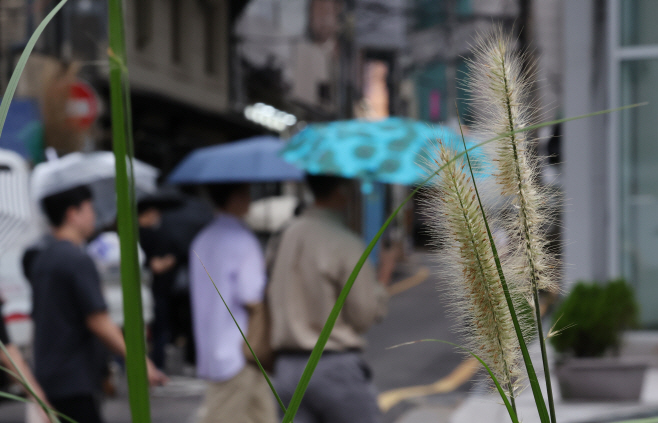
(245, 398)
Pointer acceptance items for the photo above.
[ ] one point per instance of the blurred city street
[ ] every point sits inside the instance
(416, 312)
(147, 146)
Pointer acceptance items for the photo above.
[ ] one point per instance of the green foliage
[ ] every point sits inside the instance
(591, 318)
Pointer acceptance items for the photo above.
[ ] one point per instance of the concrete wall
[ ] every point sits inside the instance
(547, 44)
(585, 167)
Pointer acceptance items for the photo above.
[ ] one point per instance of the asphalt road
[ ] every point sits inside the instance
(416, 313)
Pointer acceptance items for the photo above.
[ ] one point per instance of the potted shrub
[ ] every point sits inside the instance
(588, 326)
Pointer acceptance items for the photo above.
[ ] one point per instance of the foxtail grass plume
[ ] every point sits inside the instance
(500, 93)
(500, 86)
(476, 294)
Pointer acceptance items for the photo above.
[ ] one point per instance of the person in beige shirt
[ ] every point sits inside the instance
(314, 258)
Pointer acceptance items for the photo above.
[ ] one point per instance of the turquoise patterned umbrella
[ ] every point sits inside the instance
(386, 151)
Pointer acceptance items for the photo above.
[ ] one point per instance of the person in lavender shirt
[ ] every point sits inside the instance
(237, 391)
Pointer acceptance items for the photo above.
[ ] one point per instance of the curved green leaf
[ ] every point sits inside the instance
(27, 401)
(16, 75)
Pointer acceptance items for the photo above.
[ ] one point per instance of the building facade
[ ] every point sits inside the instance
(611, 161)
(180, 56)
(329, 60)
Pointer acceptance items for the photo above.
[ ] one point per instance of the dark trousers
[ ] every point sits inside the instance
(81, 408)
(160, 330)
(339, 392)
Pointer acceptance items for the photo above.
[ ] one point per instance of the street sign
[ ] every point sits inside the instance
(82, 106)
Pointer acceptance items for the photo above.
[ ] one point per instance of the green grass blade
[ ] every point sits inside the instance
(20, 377)
(333, 316)
(13, 397)
(501, 391)
(52, 416)
(16, 75)
(126, 219)
(262, 370)
(532, 376)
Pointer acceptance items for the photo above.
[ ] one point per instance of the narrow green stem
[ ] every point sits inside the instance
(529, 250)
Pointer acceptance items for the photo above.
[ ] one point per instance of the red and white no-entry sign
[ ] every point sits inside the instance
(82, 106)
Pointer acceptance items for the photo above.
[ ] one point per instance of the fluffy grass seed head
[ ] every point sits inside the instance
(500, 84)
(472, 282)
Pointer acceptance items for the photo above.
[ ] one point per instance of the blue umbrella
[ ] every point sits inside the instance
(252, 160)
(386, 151)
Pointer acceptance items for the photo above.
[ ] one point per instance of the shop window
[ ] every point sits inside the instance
(429, 13)
(431, 93)
(638, 22)
(463, 7)
(639, 182)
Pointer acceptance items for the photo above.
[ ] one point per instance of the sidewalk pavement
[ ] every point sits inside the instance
(178, 402)
(483, 406)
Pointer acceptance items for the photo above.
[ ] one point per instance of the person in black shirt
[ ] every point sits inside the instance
(160, 250)
(69, 312)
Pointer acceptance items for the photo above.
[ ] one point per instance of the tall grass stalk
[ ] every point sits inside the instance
(122, 142)
(532, 376)
(500, 90)
(473, 283)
